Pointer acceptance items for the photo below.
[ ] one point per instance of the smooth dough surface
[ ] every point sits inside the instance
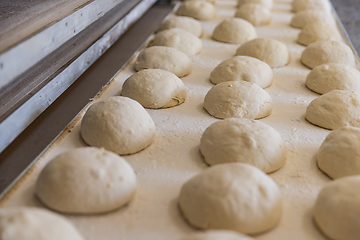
(166, 58)
(320, 5)
(217, 235)
(238, 99)
(333, 76)
(200, 10)
(35, 224)
(187, 23)
(86, 181)
(315, 32)
(267, 3)
(337, 108)
(118, 124)
(155, 88)
(256, 14)
(337, 210)
(305, 17)
(243, 140)
(234, 30)
(232, 196)
(243, 68)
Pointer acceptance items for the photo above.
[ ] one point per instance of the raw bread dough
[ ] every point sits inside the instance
(234, 30)
(238, 99)
(233, 196)
(31, 223)
(118, 124)
(271, 51)
(305, 17)
(337, 108)
(339, 154)
(217, 235)
(243, 140)
(315, 32)
(267, 3)
(86, 181)
(243, 68)
(337, 210)
(320, 5)
(166, 58)
(256, 14)
(155, 88)
(322, 52)
(333, 76)
(200, 10)
(187, 23)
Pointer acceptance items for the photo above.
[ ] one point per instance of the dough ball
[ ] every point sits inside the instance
(337, 210)
(238, 99)
(233, 196)
(166, 58)
(234, 30)
(243, 68)
(35, 224)
(256, 14)
(305, 17)
(155, 88)
(179, 39)
(119, 124)
(319, 5)
(86, 181)
(246, 141)
(337, 108)
(217, 235)
(200, 10)
(267, 3)
(187, 23)
(315, 32)
(271, 51)
(333, 76)
(322, 52)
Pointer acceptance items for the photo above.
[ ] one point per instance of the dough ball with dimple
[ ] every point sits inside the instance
(86, 181)
(323, 52)
(305, 17)
(267, 3)
(200, 10)
(232, 196)
(238, 99)
(155, 88)
(271, 51)
(217, 235)
(333, 76)
(166, 58)
(187, 23)
(234, 30)
(243, 68)
(315, 32)
(256, 14)
(319, 5)
(118, 124)
(337, 210)
(335, 109)
(35, 224)
(243, 140)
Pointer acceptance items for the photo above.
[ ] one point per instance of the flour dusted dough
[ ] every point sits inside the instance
(118, 124)
(217, 235)
(187, 23)
(166, 58)
(337, 210)
(238, 99)
(233, 196)
(31, 223)
(267, 3)
(315, 32)
(243, 140)
(305, 17)
(243, 68)
(200, 10)
(335, 109)
(86, 181)
(320, 5)
(155, 88)
(271, 51)
(256, 14)
(333, 76)
(234, 30)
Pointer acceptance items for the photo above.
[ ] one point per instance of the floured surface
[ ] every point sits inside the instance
(174, 157)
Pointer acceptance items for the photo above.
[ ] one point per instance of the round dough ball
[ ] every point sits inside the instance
(243, 68)
(200, 10)
(315, 32)
(337, 210)
(323, 52)
(118, 124)
(216, 235)
(35, 224)
(234, 30)
(166, 58)
(187, 23)
(86, 181)
(267, 3)
(337, 108)
(271, 51)
(320, 5)
(333, 76)
(305, 17)
(233, 196)
(155, 88)
(256, 14)
(238, 99)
